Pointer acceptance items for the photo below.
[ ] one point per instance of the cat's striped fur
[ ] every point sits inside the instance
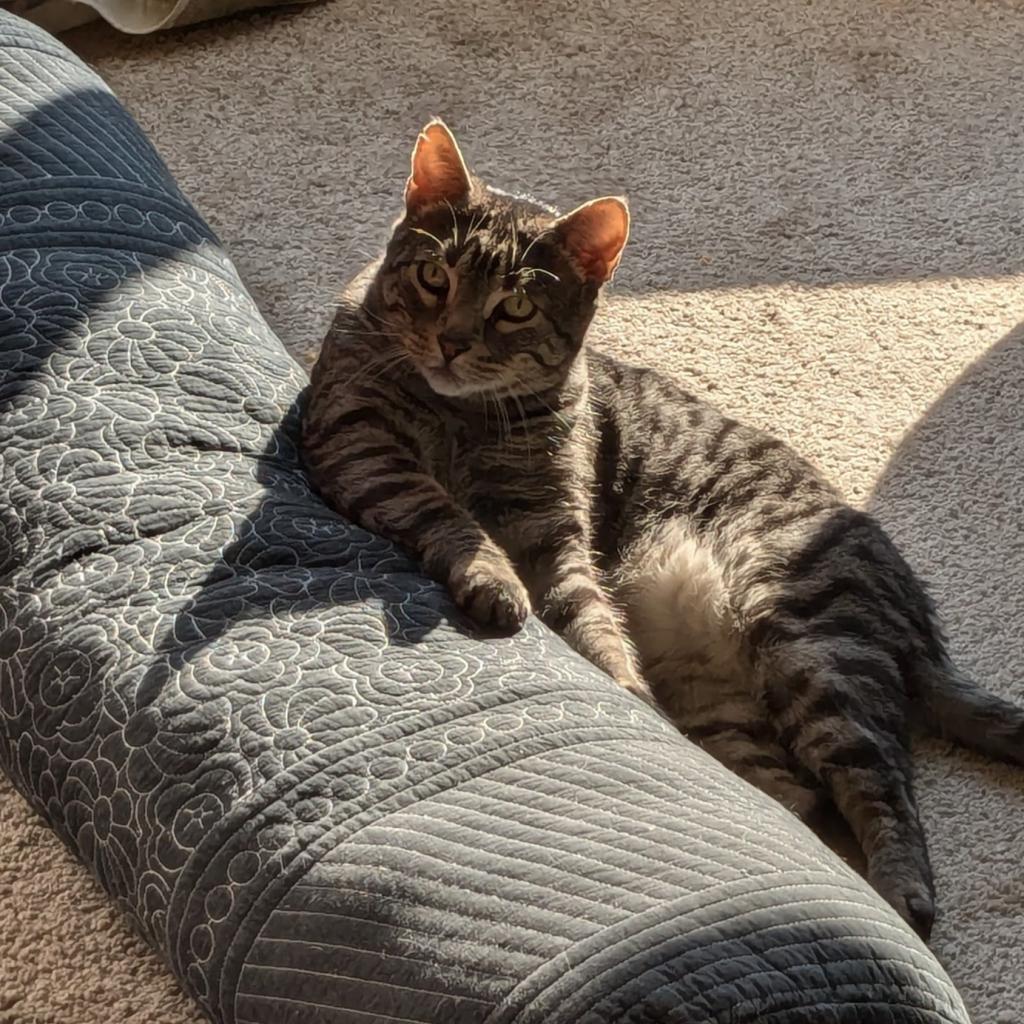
(686, 554)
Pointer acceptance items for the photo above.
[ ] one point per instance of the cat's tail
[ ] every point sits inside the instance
(957, 708)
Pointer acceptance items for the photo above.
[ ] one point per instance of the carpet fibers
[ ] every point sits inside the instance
(828, 240)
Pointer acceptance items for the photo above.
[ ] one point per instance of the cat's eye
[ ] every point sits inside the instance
(432, 277)
(516, 309)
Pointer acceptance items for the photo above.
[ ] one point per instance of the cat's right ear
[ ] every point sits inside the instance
(438, 171)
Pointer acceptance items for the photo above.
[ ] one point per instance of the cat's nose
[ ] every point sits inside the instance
(452, 344)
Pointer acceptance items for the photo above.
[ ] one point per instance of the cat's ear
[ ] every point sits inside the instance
(438, 170)
(594, 236)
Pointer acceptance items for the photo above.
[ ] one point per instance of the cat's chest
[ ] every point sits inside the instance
(504, 464)
(501, 478)
(470, 463)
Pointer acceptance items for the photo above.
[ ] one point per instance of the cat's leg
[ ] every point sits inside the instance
(575, 606)
(673, 589)
(826, 701)
(736, 733)
(556, 562)
(362, 467)
(454, 549)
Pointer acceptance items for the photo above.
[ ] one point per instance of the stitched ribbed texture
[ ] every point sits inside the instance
(273, 741)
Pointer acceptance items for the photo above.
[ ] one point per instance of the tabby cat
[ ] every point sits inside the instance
(701, 563)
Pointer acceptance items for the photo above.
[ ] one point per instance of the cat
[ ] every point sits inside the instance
(701, 563)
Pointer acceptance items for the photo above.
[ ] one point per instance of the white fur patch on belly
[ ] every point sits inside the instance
(673, 591)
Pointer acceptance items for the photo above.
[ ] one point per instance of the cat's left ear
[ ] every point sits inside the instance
(438, 171)
(594, 236)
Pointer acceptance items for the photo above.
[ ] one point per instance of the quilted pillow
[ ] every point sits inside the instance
(274, 742)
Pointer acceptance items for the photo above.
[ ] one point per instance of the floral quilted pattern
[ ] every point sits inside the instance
(274, 743)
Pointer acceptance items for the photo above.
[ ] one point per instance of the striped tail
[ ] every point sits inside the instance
(957, 708)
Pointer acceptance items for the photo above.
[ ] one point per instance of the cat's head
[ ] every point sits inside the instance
(487, 292)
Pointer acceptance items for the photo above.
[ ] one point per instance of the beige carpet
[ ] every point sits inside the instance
(828, 238)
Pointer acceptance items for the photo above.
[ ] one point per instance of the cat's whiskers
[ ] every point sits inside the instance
(437, 241)
(526, 429)
(532, 272)
(513, 260)
(508, 423)
(395, 325)
(474, 226)
(526, 251)
(487, 418)
(533, 394)
(378, 368)
(375, 331)
(455, 224)
(504, 422)
(365, 253)
(382, 373)
(489, 399)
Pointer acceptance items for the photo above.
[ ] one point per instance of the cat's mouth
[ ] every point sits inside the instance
(445, 380)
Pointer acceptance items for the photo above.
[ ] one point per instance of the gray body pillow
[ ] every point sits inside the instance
(276, 745)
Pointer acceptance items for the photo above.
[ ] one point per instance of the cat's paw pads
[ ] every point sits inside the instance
(490, 599)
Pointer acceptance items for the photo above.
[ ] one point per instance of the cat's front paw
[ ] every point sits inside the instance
(491, 595)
